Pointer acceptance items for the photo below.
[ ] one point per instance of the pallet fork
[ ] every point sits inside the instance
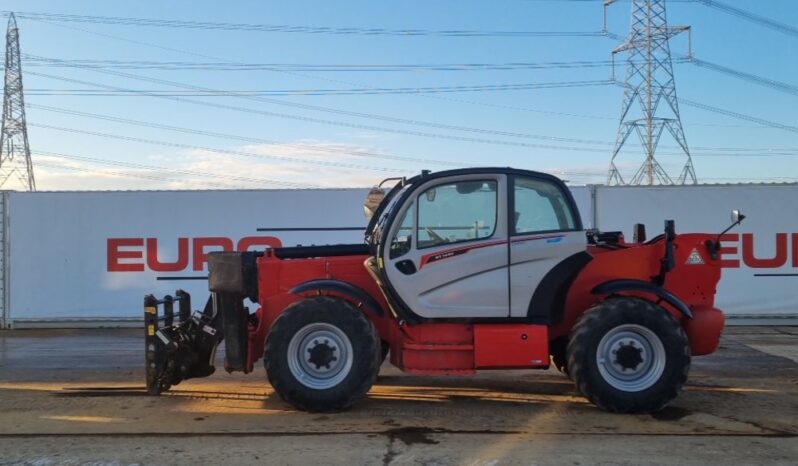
(182, 350)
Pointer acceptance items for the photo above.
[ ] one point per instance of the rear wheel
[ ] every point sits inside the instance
(628, 355)
(322, 354)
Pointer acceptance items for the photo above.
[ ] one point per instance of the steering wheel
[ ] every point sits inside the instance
(435, 236)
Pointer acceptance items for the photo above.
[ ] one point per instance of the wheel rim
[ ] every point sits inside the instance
(631, 357)
(320, 355)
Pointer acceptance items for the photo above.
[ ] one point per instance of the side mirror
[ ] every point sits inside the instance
(736, 218)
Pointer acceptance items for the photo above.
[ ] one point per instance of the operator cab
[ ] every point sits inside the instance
(475, 244)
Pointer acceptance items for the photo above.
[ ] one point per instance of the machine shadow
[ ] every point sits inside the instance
(397, 396)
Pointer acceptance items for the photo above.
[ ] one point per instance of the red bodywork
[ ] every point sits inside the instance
(437, 348)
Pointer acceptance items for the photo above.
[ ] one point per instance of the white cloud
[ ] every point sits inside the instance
(301, 164)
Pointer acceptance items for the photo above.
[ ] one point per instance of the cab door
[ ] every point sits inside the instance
(545, 230)
(448, 255)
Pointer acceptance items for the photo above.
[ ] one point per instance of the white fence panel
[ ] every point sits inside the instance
(95, 254)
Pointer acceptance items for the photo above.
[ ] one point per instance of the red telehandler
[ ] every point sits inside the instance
(460, 270)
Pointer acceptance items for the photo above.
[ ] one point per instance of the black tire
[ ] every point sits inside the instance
(616, 318)
(333, 313)
(558, 354)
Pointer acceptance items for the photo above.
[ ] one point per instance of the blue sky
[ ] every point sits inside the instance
(296, 148)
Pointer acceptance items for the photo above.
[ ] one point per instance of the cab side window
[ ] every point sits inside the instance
(540, 206)
(402, 240)
(457, 212)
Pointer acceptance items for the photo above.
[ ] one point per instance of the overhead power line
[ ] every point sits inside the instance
(303, 75)
(317, 92)
(752, 78)
(295, 29)
(752, 17)
(80, 63)
(728, 151)
(253, 140)
(221, 66)
(319, 78)
(187, 52)
(316, 108)
(32, 60)
(249, 110)
(487, 141)
(362, 115)
(449, 98)
(290, 73)
(519, 108)
(740, 116)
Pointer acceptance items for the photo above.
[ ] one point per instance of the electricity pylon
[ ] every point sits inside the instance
(14, 149)
(649, 82)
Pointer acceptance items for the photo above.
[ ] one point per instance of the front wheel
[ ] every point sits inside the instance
(322, 354)
(628, 355)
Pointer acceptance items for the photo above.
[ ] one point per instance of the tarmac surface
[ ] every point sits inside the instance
(77, 397)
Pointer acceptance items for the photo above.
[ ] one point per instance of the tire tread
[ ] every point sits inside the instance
(581, 353)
